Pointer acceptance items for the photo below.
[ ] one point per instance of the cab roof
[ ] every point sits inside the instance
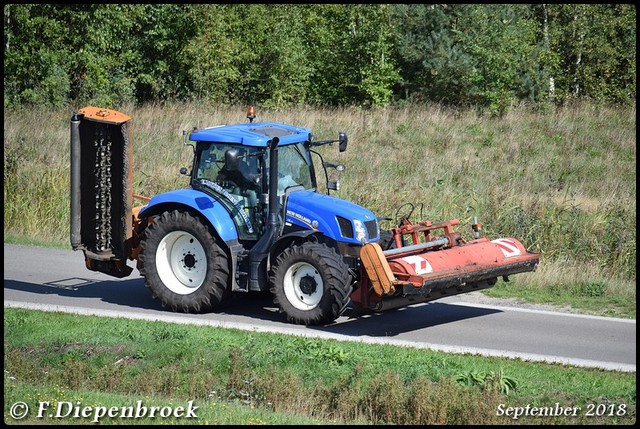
(256, 134)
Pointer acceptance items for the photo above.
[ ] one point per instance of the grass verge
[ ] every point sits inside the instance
(239, 377)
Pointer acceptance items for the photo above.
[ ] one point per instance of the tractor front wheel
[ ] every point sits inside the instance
(182, 263)
(310, 283)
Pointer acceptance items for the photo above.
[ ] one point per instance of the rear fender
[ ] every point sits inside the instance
(198, 202)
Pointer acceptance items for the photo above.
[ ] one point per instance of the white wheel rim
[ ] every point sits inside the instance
(293, 289)
(181, 262)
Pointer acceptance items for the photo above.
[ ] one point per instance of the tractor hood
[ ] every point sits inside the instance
(338, 219)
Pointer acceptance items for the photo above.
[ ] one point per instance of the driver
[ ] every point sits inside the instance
(241, 177)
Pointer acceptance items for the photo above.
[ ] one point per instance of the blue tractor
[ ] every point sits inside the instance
(253, 220)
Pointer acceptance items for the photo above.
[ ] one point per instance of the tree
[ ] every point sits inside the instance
(36, 54)
(483, 55)
(249, 53)
(434, 65)
(350, 54)
(486, 55)
(501, 39)
(596, 46)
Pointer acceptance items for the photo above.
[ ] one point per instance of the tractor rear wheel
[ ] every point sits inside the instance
(182, 263)
(311, 284)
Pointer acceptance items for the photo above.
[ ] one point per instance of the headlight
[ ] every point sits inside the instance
(361, 232)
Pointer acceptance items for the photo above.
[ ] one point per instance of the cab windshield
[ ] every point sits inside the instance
(294, 168)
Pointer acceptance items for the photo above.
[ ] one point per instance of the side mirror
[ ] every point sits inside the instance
(333, 184)
(231, 160)
(342, 138)
(184, 171)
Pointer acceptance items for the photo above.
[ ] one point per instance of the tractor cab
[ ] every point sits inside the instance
(232, 163)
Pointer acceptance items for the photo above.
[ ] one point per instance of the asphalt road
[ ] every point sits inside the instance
(57, 280)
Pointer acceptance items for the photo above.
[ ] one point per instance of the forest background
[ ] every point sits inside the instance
(485, 56)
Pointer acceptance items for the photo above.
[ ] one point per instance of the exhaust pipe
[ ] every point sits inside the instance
(260, 251)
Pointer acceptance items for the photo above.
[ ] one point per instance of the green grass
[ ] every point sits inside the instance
(586, 297)
(58, 243)
(241, 377)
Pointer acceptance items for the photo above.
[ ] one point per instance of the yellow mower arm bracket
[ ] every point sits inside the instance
(377, 268)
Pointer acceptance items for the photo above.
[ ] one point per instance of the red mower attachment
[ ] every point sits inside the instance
(433, 267)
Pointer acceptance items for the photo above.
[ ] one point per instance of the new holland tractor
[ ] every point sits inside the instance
(252, 220)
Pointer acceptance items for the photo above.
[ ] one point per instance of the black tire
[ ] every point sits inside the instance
(311, 284)
(194, 274)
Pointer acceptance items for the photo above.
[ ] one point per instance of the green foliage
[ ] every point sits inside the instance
(491, 56)
(36, 59)
(487, 380)
(591, 289)
(255, 54)
(483, 55)
(596, 46)
(432, 64)
(470, 378)
(350, 56)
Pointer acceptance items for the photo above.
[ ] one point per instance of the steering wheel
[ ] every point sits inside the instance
(228, 184)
